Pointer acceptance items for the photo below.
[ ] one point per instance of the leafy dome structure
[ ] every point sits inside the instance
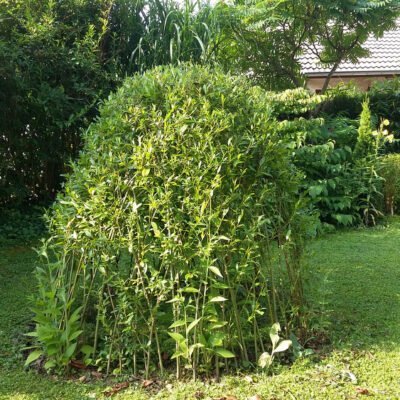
(165, 233)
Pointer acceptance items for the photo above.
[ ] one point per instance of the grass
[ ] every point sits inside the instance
(353, 283)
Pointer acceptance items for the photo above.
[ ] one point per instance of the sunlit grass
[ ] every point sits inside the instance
(353, 281)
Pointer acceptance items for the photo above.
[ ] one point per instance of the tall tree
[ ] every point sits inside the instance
(344, 26)
(264, 39)
(270, 35)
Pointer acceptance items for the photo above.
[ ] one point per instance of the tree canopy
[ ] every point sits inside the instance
(270, 35)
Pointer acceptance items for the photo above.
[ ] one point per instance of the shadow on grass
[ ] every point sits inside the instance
(19, 384)
(16, 266)
(354, 278)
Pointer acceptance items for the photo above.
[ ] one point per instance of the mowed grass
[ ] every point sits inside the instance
(353, 282)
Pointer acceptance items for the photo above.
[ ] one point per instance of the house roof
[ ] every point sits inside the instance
(384, 59)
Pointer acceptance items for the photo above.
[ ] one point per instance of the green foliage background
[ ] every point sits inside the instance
(59, 59)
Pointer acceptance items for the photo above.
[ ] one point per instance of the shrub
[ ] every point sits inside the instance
(340, 164)
(179, 234)
(343, 100)
(293, 103)
(385, 103)
(365, 145)
(324, 154)
(390, 172)
(52, 77)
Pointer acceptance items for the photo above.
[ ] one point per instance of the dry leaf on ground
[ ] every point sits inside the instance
(146, 383)
(77, 364)
(116, 389)
(96, 374)
(364, 391)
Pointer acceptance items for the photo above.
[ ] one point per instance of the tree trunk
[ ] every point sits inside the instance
(328, 78)
(325, 87)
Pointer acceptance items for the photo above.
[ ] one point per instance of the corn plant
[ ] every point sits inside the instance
(164, 32)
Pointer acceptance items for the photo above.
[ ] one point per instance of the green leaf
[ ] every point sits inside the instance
(217, 325)
(216, 339)
(218, 299)
(220, 285)
(74, 316)
(145, 171)
(224, 353)
(183, 346)
(274, 334)
(192, 325)
(191, 290)
(178, 323)
(70, 351)
(265, 360)
(202, 340)
(31, 334)
(222, 237)
(74, 335)
(177, 337)
(178, 354)
(308, 352)
(86, 349)
(283, 346)
(316, 191)
(50, 364)
(193, 347)
(156, 230)
(344, 219)
(175, 299)
(332, 183)
(52, 349)
(216, 271)
(33, 356)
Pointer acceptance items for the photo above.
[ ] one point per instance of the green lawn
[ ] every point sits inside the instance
(354, 282)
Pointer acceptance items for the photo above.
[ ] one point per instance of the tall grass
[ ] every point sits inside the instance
(158, 32)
